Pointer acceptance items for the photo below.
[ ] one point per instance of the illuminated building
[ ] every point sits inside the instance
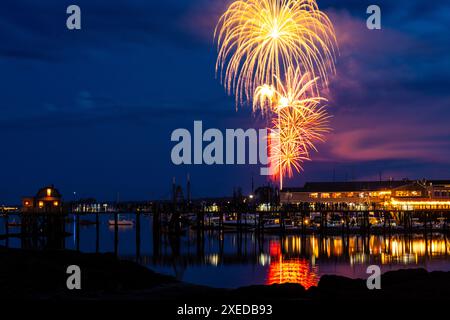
(399, 195)
(7, 209)
(47, 199)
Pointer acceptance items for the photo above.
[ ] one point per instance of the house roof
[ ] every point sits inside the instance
(42, 193)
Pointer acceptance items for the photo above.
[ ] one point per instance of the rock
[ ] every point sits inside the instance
(42, 275)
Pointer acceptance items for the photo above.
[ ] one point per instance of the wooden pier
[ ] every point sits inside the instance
(291, 219)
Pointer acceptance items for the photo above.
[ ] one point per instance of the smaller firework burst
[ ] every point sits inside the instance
(299, 120)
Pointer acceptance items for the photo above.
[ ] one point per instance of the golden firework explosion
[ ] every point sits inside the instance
(300, 120)
(259, 40)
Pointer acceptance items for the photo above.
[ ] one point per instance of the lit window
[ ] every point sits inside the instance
(314, 195)
(49, 192)
(350, 195)
(55, 203)
(336, 195)
(325, 195)
(41, 204)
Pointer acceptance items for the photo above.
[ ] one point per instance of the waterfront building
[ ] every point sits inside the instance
(91, 206)
(401, 195)
(47, 200)
(8, 209)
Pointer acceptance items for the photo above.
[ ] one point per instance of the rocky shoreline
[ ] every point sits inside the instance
(38, 275)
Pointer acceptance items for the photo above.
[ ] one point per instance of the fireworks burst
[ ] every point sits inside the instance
(300, 120)
(275, 51)
(259, 40)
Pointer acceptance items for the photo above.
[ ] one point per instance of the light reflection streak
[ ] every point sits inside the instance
(290, 270)
(397, 248)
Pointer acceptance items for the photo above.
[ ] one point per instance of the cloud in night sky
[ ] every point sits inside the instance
(100, 104)
(390, 96)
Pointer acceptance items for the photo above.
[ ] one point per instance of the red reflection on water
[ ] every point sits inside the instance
(292, 270)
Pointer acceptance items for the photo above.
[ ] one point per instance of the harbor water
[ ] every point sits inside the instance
(230, 259)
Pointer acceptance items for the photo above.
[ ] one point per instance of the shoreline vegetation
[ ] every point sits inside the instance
(41, 275)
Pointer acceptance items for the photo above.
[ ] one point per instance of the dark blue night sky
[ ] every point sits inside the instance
(92, 111)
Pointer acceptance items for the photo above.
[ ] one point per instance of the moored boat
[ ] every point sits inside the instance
(120, 222)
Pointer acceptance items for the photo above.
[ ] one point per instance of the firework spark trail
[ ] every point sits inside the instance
(259, 40)
(300, 120)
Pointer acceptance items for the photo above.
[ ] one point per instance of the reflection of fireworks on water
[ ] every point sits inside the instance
(294, 270)
(259, 40)
(300, 120)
